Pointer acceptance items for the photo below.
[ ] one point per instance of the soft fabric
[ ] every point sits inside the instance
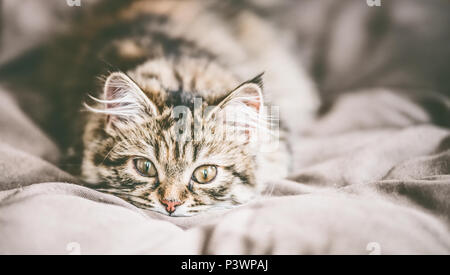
(354, 191)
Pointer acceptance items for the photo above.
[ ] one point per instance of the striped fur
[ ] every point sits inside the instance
(166, 56)
(139, 121)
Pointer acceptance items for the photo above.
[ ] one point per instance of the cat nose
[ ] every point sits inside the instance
(170, 205)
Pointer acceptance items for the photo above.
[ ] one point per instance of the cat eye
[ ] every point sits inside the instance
(204, 173)
(145, 167)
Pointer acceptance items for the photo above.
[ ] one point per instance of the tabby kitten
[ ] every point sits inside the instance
(181, 137)
(182, 125)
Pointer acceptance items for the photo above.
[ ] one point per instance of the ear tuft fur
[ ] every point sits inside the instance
(258, 80)
(123, 102)
(243, 108)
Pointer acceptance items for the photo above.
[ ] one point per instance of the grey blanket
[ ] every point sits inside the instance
(382, 190)
(371, 176)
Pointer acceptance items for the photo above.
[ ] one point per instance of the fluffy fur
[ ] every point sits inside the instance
(166, 54)
(227, 128)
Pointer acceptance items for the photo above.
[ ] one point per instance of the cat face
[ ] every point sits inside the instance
(174, 159)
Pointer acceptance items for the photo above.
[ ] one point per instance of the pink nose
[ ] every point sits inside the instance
(170, 205)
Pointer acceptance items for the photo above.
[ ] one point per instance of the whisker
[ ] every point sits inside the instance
(140, 204)
(128, 197)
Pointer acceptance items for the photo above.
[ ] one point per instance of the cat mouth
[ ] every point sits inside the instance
(150, 206)
(174, 214)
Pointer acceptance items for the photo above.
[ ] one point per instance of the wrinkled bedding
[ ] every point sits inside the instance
(389, 186)
(370, 176)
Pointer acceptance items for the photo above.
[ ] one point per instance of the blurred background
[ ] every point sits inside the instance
(346, 46)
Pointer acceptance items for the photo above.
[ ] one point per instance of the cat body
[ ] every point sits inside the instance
(190, 56)
(167, 55)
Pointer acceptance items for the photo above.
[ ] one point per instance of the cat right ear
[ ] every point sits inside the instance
(124, 102)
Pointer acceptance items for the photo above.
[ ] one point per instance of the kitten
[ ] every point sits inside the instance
(139, 147)
(166, 54)
(221, 152)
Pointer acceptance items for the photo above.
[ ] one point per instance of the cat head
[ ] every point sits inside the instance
(171, 149)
